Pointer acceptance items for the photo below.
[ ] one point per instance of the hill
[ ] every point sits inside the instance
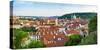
(85, 15)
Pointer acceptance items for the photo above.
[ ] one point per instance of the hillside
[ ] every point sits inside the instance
(85, 15)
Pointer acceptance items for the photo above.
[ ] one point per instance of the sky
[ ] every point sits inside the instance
(31, 8)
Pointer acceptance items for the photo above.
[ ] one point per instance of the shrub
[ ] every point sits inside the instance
(73, 40)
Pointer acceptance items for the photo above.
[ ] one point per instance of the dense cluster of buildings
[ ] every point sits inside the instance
(52, 31)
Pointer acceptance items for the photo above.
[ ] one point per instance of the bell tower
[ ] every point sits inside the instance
(56, 21)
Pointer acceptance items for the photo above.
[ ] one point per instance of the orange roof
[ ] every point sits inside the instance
(72, 31)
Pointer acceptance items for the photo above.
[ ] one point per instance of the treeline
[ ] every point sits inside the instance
(85, 15)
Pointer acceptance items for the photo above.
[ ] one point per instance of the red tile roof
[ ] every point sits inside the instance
(72, 31)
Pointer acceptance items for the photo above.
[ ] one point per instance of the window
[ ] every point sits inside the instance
(59, 39)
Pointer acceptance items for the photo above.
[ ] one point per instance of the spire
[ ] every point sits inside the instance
(74, 16)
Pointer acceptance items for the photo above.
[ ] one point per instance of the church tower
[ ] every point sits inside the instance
(56, 21)
(74, 16)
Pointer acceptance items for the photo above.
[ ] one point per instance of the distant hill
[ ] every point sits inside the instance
(85, 15)
(39, 16)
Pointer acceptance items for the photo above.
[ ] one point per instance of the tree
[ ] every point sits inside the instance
(29, 29)
(18, 35)
(93, 24)
(73, 40)
(35, 44)
(90, 39)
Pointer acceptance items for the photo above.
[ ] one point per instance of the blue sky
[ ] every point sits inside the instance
(31, 8)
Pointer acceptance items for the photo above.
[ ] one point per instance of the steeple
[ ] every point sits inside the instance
(74, 16)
